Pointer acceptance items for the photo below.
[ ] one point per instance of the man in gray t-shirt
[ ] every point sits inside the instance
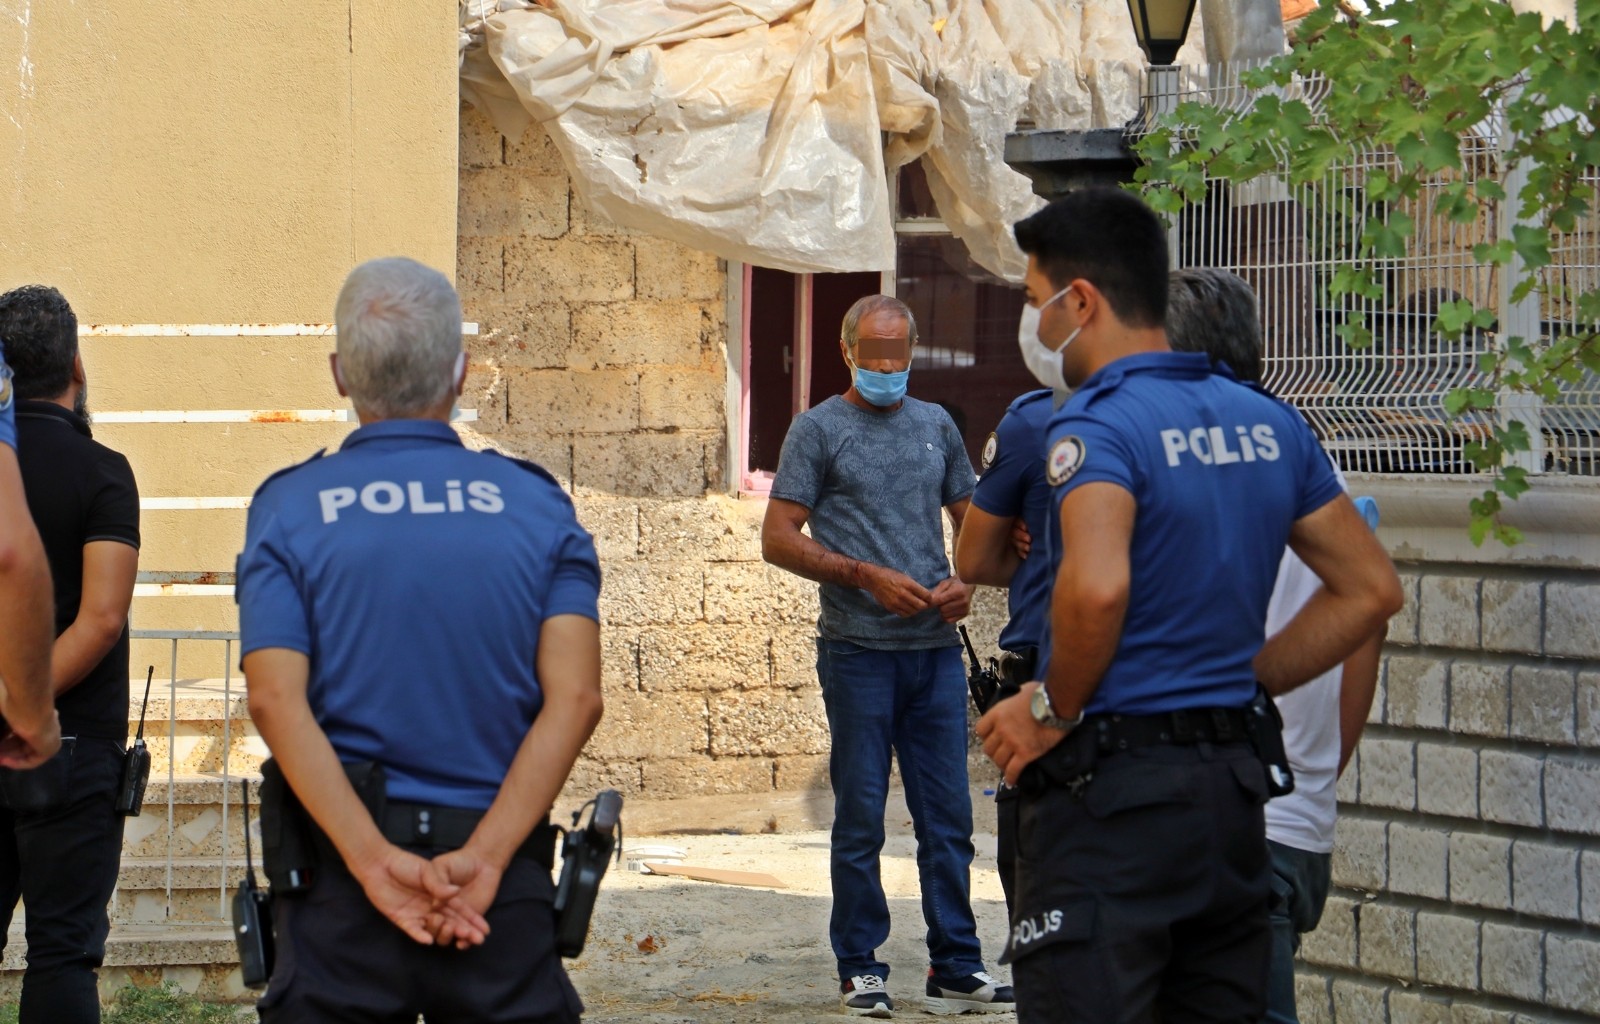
(870, 472)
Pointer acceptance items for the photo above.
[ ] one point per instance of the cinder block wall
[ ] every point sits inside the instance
(601, 356)
(1467, 872)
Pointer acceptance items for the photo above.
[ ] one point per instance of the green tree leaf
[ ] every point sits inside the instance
(1395, 151)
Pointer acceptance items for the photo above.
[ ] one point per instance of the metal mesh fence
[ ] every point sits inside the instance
(1381, 408)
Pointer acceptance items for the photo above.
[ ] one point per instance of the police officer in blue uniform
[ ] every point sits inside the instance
(32, 733)
(1143, 876)
(420, 637)
(995, 551)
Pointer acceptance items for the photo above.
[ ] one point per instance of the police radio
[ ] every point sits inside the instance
(585, 853)
(136, 763)
(982, 682)
(252, 914)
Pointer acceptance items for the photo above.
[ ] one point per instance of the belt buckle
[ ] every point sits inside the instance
(1222, 726)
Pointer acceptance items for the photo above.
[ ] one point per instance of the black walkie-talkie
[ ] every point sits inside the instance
(252, 915)
(136, 763)
(983, 683)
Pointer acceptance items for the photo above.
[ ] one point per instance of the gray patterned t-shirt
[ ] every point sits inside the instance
(877, 484)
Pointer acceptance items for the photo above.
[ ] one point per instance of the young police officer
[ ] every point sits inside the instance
(423, 618)
(1143, 876)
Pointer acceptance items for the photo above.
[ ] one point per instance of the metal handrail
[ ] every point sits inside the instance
(227, 638)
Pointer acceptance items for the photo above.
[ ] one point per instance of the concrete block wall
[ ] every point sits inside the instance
(1467, 870)
(601, 356)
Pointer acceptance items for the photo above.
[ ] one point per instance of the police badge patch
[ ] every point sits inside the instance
(991, 448)
(1066, 455)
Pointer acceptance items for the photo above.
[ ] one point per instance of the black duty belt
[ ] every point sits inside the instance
(449, 828)
(1115, 733)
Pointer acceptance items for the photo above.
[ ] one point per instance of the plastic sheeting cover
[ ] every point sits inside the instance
(761, 130)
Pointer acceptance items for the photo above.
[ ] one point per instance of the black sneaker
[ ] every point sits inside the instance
(865, 996)
(975, 993)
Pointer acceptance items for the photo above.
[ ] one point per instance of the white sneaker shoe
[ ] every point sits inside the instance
(976, 993)
(865, 996)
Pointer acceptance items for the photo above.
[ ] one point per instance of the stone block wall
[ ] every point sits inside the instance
(601, 355)
(1467, 870)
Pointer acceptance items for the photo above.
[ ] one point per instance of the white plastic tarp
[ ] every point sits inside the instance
(762, 130)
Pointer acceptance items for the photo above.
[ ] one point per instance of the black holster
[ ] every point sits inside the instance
(291, 843)
(1015, 669)
(1066, 764)
(1264, 726)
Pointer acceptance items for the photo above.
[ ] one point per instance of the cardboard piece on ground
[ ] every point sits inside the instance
(722, 875)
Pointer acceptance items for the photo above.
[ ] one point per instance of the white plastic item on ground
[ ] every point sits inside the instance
(637, 857)
(761, 130)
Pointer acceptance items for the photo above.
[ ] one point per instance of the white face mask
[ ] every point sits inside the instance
(1043, 361)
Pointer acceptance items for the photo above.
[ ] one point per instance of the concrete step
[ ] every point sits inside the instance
(197, 898)
(194, 823)
(202, 724)
(200, 959)
(201, 890)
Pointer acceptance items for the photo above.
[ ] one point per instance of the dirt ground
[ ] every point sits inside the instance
(666, 950)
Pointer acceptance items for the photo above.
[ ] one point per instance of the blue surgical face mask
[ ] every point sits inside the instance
(881, 389)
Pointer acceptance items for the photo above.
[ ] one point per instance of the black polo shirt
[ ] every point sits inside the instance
(79, 491)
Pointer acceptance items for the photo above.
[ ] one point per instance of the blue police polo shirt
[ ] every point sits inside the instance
(416, 575)
(8, 404)
(1219, 472)
(1013, 485)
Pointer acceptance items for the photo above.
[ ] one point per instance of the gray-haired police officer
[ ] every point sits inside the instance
(1143, 876)
(415, 610)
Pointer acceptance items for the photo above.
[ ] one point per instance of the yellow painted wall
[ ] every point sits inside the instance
(170, 162)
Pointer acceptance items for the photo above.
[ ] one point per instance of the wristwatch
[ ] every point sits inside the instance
(1045, 715)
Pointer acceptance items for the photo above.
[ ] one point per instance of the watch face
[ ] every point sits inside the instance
(1039, 704)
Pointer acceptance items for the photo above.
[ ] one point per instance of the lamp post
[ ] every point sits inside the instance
(1060, 161)
(1161, 26)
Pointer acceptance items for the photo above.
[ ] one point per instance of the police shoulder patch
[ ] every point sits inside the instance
(5, 387)
(991, 448)
(290, 469)
(1066, 455)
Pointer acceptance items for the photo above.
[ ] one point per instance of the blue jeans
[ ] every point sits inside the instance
(915, 703)
(1299, 891)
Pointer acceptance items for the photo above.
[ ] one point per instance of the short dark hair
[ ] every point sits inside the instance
(40, 334)
(1110, 238)
(1214, 311)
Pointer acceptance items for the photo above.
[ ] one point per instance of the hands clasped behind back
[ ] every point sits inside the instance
(432, 902)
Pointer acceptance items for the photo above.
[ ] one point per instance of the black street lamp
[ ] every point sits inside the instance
(1161, 26)
(1060, 161)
